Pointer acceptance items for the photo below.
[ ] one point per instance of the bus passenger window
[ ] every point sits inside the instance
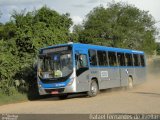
(102, 58)
(121, 59)
(112, 58)
(136, 60)
(92, 57)
(129, 60)
(142, 60)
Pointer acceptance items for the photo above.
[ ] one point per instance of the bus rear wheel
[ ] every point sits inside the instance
(130, 83)
(93, 89)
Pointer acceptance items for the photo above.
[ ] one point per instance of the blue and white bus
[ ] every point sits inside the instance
(75, 67)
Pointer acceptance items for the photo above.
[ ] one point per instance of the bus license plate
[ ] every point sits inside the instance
(54, 92)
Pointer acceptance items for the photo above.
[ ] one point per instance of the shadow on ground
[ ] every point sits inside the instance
(56, 98)
(148, 93)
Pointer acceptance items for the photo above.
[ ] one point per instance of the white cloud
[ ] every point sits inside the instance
(77, 9)
(13, 2)
(77, 19)
(158, 39)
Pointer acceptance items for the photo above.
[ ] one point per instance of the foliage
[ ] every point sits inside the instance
(120, 25)
(16, 97)
(77, 28)
(20, 40)
(8, 65)
(158, 49)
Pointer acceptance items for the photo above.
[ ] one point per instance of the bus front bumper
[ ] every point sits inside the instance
(55, 91)
(60, 90)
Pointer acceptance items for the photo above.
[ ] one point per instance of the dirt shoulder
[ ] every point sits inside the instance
(144, 98)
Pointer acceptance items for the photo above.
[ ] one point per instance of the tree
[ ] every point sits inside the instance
(34, 30)
(23, 36)
(158, 49)
(37, 29)
(41, 28)
(8, 30)
(77, 28)
(9, 65)
(120, 25)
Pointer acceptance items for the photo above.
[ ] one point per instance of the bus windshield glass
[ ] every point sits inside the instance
(55, 64)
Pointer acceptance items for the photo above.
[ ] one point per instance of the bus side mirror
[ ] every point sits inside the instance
(90, 60)
(76, 60)
(77, 57)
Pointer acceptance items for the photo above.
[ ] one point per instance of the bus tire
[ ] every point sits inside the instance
(130, 83)
(63, 96)
(93, 89)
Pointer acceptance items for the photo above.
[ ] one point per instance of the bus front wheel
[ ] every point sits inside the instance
(63, 96)
(130, 83)
(93, 89)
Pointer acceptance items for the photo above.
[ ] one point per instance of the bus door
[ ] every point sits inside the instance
(123, 76)
(113, 70)
(123, 70)
(82, 70)
(113, 77)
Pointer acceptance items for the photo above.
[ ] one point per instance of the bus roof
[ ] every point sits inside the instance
(96, 47)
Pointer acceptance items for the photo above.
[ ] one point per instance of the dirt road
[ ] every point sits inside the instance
(144, 98)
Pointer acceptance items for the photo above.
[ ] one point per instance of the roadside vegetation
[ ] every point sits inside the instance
(117, 25)
(16, 97)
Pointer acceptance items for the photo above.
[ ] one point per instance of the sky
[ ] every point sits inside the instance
(78, 9)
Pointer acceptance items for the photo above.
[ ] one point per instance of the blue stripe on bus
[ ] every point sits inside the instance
(96, 47)
(55, 85)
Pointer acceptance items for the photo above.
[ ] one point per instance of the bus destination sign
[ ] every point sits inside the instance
(58, 49)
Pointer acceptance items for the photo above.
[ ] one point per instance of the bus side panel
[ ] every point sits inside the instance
(104, 81)
(94, 74)
(124, 76)
(112, 79)
(83, 81)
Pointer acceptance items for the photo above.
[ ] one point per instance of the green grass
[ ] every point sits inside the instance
(17, 97)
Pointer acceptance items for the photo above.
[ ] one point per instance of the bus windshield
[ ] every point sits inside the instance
(55, 65)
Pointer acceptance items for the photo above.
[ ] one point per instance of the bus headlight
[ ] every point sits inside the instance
(40, 86)
(71, 81)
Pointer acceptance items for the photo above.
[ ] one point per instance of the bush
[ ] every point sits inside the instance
(6, 88)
